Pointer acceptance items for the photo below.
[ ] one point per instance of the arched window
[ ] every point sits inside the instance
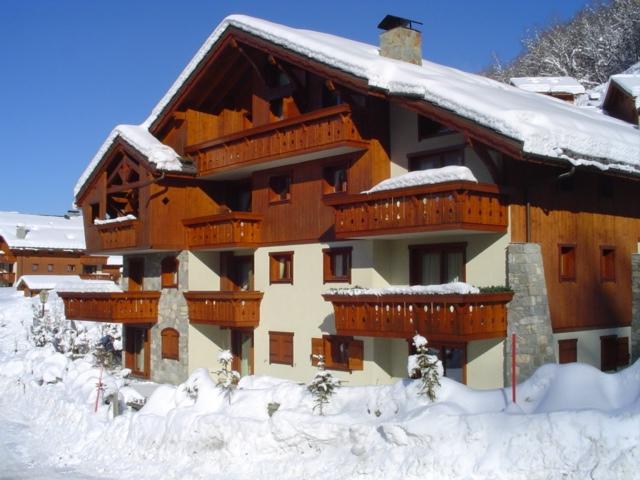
(170, 344)
(169, 268)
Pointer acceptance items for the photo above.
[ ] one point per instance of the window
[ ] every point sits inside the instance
(567, 262)
(568, 350)
(50, 267)
(437, 264)
(430, 128)
(607, 264)
(340, 353)
(281, 267)
(169, 272)
(170, 343)
(336, 264)
(436, 158)
(280, 188)
(71, 268)
(94, 211)
(89, 269)
(281, 348)
(335, 179)
(34, 267)
(608, 353)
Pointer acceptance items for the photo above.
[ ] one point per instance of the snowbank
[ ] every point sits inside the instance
(425, 177)
(459, 288)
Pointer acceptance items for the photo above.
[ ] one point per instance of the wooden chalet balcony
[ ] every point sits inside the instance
(224, 230)
(437, 317)
(97, 276)
(456, 205)
(118, 235)
(115, 307)
(7, 278)
(330, 131)
(238, 309)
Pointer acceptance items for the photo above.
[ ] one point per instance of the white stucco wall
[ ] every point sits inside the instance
(404, 140)
(588, 346)
(485, 363)
(204, 268)
(205, 343)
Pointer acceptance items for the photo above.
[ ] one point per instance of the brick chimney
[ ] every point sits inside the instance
(400, 40)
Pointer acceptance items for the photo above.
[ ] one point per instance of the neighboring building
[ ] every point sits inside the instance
(48, 245)
(622, 99)
(285, 162)
(32, 285)
(564, 88)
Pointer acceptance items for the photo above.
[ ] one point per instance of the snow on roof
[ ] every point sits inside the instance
(545, 126)
(630, 84)
(114, 260)
(66, 283)
(458, 288)
(425, 177)
(42, 231)
(162, 156)
(548, 84)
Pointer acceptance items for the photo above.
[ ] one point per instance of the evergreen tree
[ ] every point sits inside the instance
(323, 386)
(426, 367)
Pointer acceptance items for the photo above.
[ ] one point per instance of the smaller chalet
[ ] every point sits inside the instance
(622, 99)
(564, 88)
(38, 245)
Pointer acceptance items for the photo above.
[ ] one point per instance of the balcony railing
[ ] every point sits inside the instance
(225, 309)
(98, 276)
(7, 278)
(115, 307)
(224, 230)
(323, 130)
(448, 206)
(118, 235)
(438, 317)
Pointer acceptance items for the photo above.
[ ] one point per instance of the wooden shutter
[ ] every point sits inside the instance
(608, 353)
(170, 343)
(568, 350)
(281, 347)
(317, 348)
(623, 351)
(356, 355)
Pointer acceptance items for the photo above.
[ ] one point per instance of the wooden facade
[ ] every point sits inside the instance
(239, 309)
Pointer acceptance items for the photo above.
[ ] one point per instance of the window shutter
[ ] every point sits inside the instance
(623, 351)
(170, 343)
(281, 347)
(568, 350)
(317, 348)
(274, 348)
(608, 352)
(356, 355)
(286, 349)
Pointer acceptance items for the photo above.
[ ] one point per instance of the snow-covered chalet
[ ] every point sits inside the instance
(297, 193)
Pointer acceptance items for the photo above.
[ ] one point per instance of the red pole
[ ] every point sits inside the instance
(514, 379)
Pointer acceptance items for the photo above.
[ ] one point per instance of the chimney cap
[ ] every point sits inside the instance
(391, 21)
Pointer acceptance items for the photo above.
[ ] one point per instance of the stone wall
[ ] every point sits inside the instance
(528, 312)
(635, 311)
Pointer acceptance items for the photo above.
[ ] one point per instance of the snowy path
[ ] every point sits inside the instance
(18, 457)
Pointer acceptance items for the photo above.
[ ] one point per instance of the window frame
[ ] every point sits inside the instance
(573, 274)
(436, 153)
(274, 262)
(166, 335)
(276, 197)
(50, 267)
(415, 266)
(567, 347)
(328, 255)
(607, 263)
(327, 344)
(35, 267)
(424, 135)
(169, 277)
(281, 357)
(327, 177)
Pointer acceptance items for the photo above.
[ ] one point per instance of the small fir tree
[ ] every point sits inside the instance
(228, 378)
(426, 367)
(323, 386)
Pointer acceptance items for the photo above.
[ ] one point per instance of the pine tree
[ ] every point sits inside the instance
(426, 367)
(228, 378)
(323, 386)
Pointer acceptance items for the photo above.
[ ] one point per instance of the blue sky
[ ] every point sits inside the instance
(73, 69)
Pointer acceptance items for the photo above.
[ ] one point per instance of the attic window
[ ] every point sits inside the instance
(430, 128)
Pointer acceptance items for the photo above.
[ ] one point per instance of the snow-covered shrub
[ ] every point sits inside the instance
(228, 378)
(426, 367)
(323, 386)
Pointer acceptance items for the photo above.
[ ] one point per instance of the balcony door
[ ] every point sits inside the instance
(242, 350)
(137, 353)
(136, 274)
(237, 272)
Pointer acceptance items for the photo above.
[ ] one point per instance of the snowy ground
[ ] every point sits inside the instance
(572, 422)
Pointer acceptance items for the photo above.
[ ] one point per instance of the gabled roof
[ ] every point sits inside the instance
(546, 127)
(42, 232)
(630, 84)
(566, 85)
(161, 156)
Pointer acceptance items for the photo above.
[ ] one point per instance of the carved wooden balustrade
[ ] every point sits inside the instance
(118, 235)
(438, 317)
(116, 307)
(446, 206)
(238, 309)
(233, 229)
(326, 129)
